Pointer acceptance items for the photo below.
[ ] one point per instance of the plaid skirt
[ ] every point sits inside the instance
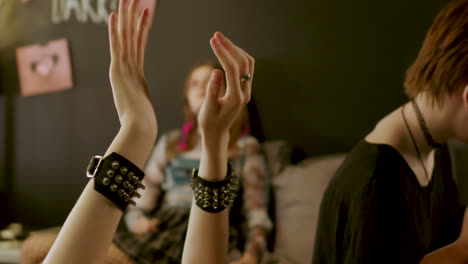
(164, 246)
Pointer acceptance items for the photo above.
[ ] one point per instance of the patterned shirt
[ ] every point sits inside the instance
(171, 177)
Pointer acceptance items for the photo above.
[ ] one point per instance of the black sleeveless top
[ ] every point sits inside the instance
(375, 211)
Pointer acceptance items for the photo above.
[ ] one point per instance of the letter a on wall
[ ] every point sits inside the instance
(44, 68)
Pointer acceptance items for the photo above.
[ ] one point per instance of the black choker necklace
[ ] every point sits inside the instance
(414, 143)
(422, 123)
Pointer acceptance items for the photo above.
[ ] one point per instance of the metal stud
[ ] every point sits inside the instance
(136, 179)
(126, 184)
(123, 170)
(215, 198)
(223, 196)
(110, 173)
(233, 196)
(207, 189)
(215, 191)
(223, 204)
(215, 205)
(141, 186)
(206, 204)
(115, 164)
(114, 187)
(207, 197)
(200, 191)
(119, 179)
(131, 189)
(105, 181)
(130, 175)
(121, 193)
(135, 194)
(132, 203)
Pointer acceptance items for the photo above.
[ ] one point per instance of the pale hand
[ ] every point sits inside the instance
(128, 32)
(224, 102)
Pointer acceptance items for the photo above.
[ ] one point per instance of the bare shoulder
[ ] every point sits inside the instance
(387, 131)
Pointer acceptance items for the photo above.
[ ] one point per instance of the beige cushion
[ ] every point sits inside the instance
(298, 192)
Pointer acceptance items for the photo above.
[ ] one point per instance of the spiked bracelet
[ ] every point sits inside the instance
(116, 178)
(215, 196)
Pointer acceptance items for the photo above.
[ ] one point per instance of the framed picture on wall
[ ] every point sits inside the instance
(44, 68)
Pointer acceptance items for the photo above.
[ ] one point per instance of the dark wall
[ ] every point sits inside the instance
(326, 72)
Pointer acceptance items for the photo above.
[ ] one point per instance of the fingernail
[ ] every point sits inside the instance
(219, 37)
(218, 41)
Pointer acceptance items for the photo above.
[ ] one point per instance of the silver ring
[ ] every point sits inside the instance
(245, 78)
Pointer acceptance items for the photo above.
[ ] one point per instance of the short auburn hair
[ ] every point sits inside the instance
(442, 64)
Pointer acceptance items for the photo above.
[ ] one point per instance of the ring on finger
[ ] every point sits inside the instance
(245, 78)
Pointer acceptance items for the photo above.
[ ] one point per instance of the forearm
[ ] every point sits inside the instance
(88, 230)
(207, 234)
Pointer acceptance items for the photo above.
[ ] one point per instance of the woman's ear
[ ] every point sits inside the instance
(465, 96)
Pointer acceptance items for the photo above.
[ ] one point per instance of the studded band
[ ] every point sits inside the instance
(116, 178)
(215, 196)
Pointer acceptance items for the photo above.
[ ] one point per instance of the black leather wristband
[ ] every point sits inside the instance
(215, 196)
(116, 178)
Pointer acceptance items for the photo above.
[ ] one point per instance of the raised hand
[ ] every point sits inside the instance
(128, 32)
(87, 233)
(224, 102)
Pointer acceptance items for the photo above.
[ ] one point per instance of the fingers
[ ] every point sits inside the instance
(245, 61)
(132, 22)
(230, 66)
(251, 61)
(236, 63)
(133, 30)
(237, 53)
(123, 26)
(142, 37)
(214, 90)
(113, 35)
(251, 71)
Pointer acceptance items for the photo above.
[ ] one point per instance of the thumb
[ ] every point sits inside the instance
(214, 88)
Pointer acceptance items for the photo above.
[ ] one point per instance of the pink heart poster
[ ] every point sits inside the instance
(44, 68)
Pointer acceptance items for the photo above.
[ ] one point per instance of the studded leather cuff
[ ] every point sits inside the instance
(215, 196)
(116, 178)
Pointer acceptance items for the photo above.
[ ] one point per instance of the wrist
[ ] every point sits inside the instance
(145, 129)
(139, 133)
(215, 143)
